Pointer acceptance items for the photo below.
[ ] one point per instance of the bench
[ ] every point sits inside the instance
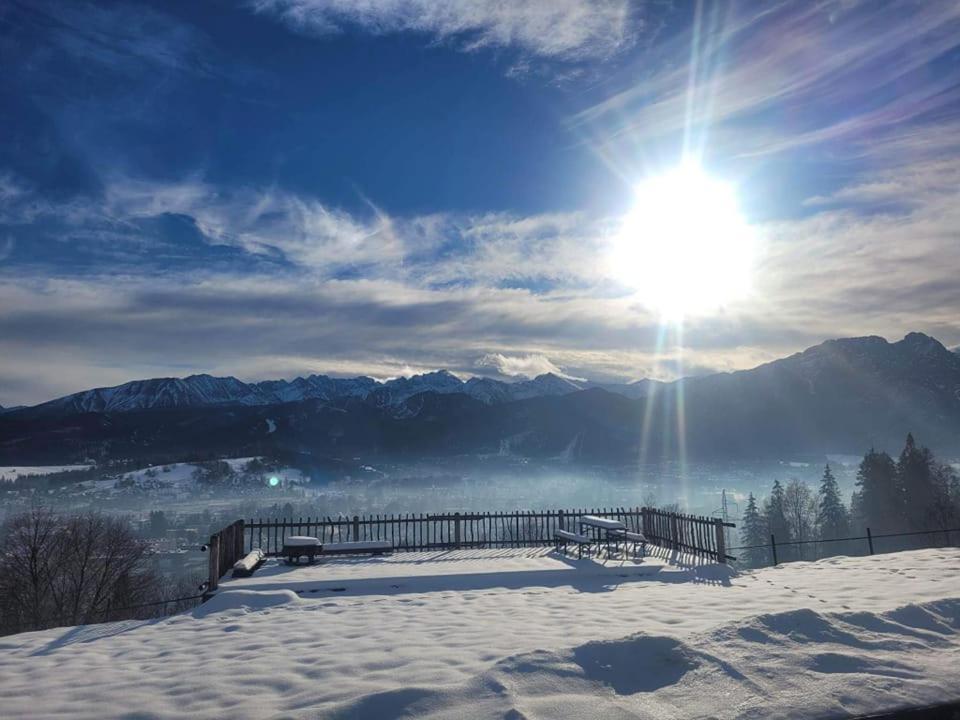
(247, 565)
(358, 547)
(298, 546)
(636, 538)
(564, 537)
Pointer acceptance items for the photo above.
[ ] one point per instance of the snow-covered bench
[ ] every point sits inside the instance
(248, 564)
(636, 538)
(373, 547)
(298, 546)
(564, 537)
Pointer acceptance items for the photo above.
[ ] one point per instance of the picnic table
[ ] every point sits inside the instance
(609, 528)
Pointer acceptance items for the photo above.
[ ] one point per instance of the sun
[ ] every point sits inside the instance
(684, 248)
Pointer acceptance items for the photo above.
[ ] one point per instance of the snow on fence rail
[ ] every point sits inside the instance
(699, 535)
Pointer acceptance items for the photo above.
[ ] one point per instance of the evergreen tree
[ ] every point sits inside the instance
(857, 518)
(882, 502)
(775, 510)
(833, 520)
(754, 532)
(916, 471)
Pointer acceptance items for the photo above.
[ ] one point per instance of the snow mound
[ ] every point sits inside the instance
(241, 602)
(826, 663)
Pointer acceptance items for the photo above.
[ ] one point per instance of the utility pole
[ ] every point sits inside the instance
(724, 513)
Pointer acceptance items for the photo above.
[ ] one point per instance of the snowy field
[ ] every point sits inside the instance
(12, 472)
(180, 476)
(517, 634)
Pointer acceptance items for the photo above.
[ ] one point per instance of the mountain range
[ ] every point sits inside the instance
(206, 390)
(842, 396)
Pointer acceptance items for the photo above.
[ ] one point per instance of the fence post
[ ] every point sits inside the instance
(238, 546)
(870, 540)
(226, 545)
(674, 531)
(721, 541)
(356, 528)
(773, 546)
(213, 563)
(560, 520)
(456, 530)
(241, 529)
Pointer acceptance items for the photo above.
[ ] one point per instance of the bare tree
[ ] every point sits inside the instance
(67, 570)
(800, 508)
(29, 543)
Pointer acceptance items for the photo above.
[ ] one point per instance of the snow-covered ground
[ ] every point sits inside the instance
(180, 476)
(13, 472)
(518, 634)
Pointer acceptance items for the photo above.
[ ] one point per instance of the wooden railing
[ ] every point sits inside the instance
(701, 536)
(225, 548)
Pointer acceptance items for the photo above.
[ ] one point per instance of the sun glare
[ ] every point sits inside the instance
(684, 248)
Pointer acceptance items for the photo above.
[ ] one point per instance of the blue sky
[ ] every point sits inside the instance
(276, 187)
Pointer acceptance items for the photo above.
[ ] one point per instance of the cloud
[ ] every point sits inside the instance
(559, 29)
(525, 366)
(118, 38)
(311, 288)
(752, 81)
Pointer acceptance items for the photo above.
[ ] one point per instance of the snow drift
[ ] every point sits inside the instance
(847, 635)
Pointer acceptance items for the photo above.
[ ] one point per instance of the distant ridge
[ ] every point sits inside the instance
(209, 391)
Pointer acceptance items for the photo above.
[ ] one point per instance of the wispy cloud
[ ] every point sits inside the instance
(560, 29)
(122, 38)
(6, 247)
(755, 80)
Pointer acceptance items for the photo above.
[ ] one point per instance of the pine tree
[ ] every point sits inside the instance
(833, 521)
(754, 532)
(916, 470)
(882, 502)
(857, 517)
(774, 508)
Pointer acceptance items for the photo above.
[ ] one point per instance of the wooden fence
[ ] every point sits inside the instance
(701, 536)
(225, 548)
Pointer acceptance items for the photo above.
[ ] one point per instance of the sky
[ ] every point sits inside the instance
(270, 188)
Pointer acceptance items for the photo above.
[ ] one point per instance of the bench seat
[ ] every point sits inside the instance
(636, 538)
(375, 547)
(300, 541)
(564, 537)
(248, 564)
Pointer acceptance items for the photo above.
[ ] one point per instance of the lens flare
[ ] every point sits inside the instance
(684, 248)
(273, 481)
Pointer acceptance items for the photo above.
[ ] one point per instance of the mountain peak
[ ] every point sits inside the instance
(920, 341)
(443, 373)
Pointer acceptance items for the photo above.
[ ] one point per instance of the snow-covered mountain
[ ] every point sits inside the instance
(192, 391)
(206, 390)
(845, 383)
(839, 397)
(394, 392)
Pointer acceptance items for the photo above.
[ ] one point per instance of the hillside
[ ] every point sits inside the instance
(843, 396)
(518, 634)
